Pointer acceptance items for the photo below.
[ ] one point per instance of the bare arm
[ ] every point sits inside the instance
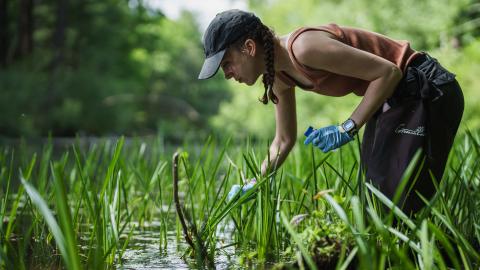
(319, 50)
(286, 127)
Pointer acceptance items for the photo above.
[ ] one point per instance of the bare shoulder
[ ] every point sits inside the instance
(312, 43)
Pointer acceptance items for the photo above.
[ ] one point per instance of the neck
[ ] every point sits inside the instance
(282, 58)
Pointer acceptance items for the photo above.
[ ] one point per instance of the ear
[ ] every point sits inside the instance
(249, 47)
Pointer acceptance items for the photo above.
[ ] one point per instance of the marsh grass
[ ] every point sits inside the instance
(88, 201)
(84, 204)
(443, 235)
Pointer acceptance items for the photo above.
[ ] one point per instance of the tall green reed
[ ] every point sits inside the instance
(110, 189)
(443, 235)
(97, 197)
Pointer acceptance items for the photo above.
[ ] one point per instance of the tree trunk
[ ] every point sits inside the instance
(3, 33)
(25, 29)
(58, 38)
(54, 99)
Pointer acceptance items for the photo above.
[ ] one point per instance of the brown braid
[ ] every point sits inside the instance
(265, 36)
(269, 76)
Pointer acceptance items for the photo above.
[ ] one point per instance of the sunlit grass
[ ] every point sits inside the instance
(85, 202)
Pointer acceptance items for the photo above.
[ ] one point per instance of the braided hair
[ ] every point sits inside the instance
(265, 36)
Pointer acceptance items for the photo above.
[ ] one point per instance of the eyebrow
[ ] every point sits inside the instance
(223, 62)
(227, 53)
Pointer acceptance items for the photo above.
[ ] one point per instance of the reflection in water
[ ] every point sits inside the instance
(143, 251)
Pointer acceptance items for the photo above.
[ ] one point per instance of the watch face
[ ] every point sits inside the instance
(348, 125)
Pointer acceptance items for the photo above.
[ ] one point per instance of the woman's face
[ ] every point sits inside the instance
(242, 64)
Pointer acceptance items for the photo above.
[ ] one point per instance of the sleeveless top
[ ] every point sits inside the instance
(332, 84)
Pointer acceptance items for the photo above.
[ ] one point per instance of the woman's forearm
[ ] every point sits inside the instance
(278, 152)
(377, 92)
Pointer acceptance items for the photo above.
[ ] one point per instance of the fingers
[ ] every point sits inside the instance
(327, 148)
(233, 191)
(328, 138)
(324, 138)
(311, 137)
(323, 144)
(318, 138)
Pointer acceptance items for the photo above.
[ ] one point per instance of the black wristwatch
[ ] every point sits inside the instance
(350, 127)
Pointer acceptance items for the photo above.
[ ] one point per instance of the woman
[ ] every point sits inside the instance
(408, 100)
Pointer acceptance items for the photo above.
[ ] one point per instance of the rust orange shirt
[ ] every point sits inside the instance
(332, 84)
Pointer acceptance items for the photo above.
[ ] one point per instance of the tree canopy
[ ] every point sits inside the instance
(120, 67)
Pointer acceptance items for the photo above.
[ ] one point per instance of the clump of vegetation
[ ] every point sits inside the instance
(326, 239)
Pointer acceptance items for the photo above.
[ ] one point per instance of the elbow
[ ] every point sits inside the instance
(289, 142)
(394, 76)
(285, 144)
(395, 73)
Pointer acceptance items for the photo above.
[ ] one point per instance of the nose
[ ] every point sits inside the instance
(228, 74)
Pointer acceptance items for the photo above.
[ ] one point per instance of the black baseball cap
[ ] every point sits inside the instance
(226, 28)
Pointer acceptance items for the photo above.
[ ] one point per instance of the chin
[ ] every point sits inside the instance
(252, 82)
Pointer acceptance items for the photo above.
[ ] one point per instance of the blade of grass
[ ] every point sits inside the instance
(65, 215)
(399, 213)
(70, 260)
(306, 255)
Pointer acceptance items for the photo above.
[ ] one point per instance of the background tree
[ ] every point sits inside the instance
(120, 67)
(428, 25)
(99, 68)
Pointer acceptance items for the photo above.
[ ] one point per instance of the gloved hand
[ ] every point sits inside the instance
(327, 138)
(237, 188)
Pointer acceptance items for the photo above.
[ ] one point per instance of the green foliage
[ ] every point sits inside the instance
(351, 227)
(245, 115)
(64, 237)
(428, 25)
(119, 68)
(466, 26)
(91, 201)
(325, 237)
(466, 65)
(400, 19)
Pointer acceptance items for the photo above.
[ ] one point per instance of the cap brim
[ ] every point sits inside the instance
(211, 65)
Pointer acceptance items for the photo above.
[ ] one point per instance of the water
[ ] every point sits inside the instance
(143, 251)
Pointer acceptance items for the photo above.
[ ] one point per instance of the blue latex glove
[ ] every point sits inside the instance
(233, 191)
(239, 189)
(327, 138)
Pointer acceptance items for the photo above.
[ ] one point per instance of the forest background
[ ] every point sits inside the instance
(117, 67)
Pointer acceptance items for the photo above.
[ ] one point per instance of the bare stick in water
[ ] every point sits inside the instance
(181, 217)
